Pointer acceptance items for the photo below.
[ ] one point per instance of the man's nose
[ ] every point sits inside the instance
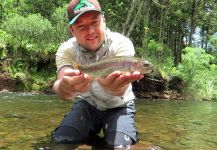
(90, 29)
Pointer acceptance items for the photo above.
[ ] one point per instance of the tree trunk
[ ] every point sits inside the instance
(136, 18)
(176, 58)
(206, 39)
(161, 26)
(192, 28)
(134, 4)
(146, 11)
(1, 13)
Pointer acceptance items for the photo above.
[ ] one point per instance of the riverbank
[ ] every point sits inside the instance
(147, 88)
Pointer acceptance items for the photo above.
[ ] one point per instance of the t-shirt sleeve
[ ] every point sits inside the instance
(64, 56)
(122, 46)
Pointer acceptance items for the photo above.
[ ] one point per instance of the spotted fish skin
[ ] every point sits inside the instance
(106, 66)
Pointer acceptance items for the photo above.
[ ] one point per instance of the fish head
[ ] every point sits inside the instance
(146, 67)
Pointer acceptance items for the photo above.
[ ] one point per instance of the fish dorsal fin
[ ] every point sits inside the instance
(115, 57)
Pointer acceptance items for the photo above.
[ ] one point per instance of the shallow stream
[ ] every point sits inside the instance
(27, 120)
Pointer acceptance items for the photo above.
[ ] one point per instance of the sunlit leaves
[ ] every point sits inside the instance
(33, 32)
(198, 74)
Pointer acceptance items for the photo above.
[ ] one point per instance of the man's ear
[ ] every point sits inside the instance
(71, 30)
(104, 22)
(103, 19)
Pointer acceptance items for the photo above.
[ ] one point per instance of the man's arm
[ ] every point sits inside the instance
(70, 82)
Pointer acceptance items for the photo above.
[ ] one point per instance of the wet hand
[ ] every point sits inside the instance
(117, 82)
(72, 82)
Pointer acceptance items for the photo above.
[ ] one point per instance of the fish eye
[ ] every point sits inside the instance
(145, 65)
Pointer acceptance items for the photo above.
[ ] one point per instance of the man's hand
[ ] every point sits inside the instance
(71, 82)
(116, 83)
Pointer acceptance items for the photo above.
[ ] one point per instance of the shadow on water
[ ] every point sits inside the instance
(95, 144)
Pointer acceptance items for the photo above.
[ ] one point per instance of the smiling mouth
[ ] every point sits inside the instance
(91, 38)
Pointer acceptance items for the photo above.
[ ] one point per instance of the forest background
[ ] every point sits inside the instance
(178, 37)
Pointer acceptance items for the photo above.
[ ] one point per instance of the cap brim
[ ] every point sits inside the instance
(71, 22)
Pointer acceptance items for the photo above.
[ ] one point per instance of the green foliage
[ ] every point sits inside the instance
(33, 41)
(24, 80)
(32, 32)
(198, 74)
(115, 10)
(163, 67)
(11, 7)
(156, 51)
(213, 42)
(60, 24)
(155, 46)
(30, 41)
(45, 8)
(5, 38)
(43, 81)
(195, 61)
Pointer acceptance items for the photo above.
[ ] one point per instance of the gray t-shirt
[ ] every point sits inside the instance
(115, 44)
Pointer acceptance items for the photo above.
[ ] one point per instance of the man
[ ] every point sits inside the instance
(106, 103)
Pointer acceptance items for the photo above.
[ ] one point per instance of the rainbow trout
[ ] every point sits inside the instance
(106, 66)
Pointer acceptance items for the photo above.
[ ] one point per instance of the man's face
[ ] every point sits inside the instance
(89, 30)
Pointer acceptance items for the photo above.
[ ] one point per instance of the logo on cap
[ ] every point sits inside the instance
(83, 5)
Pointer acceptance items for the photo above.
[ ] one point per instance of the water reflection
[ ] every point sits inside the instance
(178, 125)
(26, 122)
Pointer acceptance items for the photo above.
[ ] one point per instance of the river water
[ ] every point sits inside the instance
(27, 120)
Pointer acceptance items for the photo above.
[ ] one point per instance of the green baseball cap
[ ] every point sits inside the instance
(78, 7)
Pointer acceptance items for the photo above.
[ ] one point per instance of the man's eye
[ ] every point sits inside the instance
(81, 28)
(96, 23)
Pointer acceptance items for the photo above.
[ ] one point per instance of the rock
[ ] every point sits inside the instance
(7, 84)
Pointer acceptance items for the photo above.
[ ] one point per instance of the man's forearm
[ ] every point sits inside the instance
(61, 92)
